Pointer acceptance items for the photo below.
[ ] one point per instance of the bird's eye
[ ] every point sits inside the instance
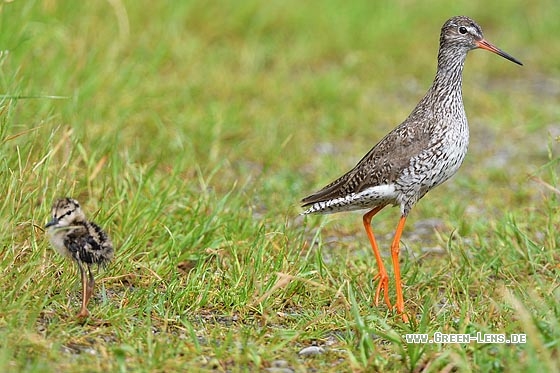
(463, 30)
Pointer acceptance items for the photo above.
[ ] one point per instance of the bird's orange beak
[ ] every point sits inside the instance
(483, 44)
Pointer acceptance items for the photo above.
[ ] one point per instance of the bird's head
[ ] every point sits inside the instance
(463, 32)
(64, 213)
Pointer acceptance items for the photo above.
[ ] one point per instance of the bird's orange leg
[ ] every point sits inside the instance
(85, 290)
(395, 249)
(382, 274)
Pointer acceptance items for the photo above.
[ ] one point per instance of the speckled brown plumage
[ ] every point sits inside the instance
(421, 153)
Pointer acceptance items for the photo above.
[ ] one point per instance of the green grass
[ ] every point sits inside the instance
(190, 130)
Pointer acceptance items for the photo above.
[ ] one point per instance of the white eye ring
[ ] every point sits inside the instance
(462, 30)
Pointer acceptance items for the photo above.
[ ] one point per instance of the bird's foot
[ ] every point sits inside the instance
(404, 316)
(400, 309)
(83, 313)
(383, 285)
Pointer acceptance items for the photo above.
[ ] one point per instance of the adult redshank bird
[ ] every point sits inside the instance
(72, 235)
(419, 154)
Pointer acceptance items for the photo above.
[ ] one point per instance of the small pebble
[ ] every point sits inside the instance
(311, 351)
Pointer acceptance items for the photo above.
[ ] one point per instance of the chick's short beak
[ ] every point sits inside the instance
(51, 223)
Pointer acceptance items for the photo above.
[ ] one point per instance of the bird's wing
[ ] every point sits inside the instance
(89, 244)
(382, 165)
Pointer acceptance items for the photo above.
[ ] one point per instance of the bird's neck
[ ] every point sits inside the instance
(449, 75)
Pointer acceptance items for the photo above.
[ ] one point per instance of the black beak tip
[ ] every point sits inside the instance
(517, 62)
(511, 58)
(51, 223)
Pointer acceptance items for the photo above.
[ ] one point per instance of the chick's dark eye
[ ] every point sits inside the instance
(463, 30)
